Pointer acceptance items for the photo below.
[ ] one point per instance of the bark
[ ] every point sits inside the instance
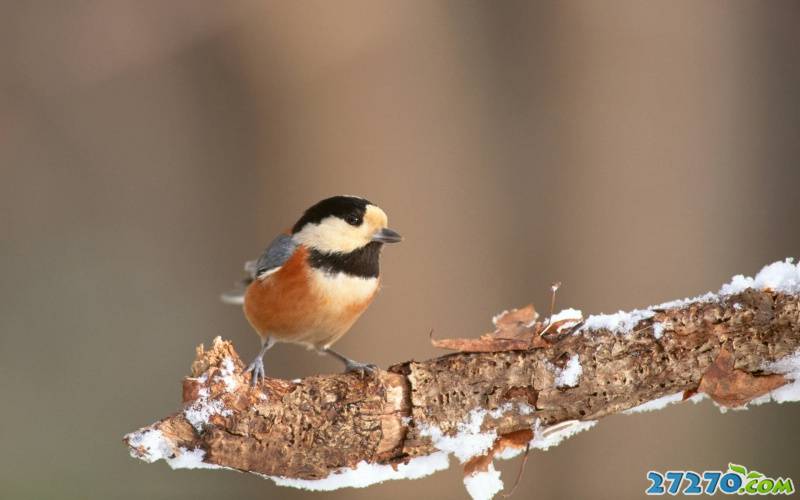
(313, 427)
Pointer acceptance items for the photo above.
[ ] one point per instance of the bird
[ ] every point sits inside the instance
(314, 281)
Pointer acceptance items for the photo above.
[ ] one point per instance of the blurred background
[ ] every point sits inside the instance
(636, 151)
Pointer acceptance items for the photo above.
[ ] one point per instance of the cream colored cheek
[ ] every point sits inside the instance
(375, 219)
(367, 233)
(334, 236)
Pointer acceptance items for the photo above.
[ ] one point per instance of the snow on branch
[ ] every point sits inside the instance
(528, 385)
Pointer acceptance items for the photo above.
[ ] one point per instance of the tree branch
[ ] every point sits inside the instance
(540, 382)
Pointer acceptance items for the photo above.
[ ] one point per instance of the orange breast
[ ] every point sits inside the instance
(304, 305)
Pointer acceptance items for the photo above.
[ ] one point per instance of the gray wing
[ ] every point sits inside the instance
(275, 255)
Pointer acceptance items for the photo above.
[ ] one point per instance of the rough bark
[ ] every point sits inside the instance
(313, 427)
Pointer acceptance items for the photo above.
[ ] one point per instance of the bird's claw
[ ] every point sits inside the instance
(257, 369)
(361, 368)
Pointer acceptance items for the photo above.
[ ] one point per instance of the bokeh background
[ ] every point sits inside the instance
(636, 151)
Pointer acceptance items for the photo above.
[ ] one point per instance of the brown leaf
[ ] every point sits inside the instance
(557, 327)
(478, 464)
(731, 387)
(515, 323)
(517, 439)
(515, 330)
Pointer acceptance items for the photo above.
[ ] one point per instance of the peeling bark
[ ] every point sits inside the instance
(318, 425)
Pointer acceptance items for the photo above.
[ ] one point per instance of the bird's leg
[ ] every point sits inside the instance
(257, 366)
(351, 365)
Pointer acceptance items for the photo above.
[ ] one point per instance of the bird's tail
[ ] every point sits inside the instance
(234, 297)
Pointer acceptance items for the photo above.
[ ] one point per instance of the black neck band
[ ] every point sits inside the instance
(363, 262)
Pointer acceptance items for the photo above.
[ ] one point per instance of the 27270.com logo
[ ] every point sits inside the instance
(737, 480)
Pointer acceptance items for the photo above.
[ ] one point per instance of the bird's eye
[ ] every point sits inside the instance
(353, 220)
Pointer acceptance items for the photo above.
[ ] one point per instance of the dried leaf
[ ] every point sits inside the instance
(515, 323)
(517, 439)
(731, 387)
(557, 327)
(515, 330)
(478, 464)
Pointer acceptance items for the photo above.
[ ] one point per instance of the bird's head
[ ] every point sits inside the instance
(342, 224)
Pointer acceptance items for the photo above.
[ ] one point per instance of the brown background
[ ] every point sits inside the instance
(636, 151)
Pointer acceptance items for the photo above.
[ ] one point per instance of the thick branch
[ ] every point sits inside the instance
(481, 404)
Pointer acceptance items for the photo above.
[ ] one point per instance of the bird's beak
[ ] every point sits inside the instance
(386, 235)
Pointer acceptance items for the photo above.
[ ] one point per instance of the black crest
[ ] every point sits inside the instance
(349, 208)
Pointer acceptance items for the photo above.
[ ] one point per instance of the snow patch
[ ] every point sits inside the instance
(679, 303)
(789, 367)
(484, 485)
(366, 474)
(544, 438)
(697, 397)
(570, 374)
(191, 459)
(656, 404)
(151, 445)
(525, 408)
(522, 409)
(227, 373)
(501, 410)
(787, 393)
(765, 398)
(781, 276)
(621, 322)
(574, 314)
(202, 409)
(468, 442)
(508, 453)
(738, 284)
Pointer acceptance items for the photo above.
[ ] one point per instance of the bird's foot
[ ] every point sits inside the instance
(257, 369)
(362, 369)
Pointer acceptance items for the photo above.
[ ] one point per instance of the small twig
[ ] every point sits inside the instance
(520, 471)
(554, 287)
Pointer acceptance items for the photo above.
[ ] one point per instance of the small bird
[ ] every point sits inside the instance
(314, 281)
